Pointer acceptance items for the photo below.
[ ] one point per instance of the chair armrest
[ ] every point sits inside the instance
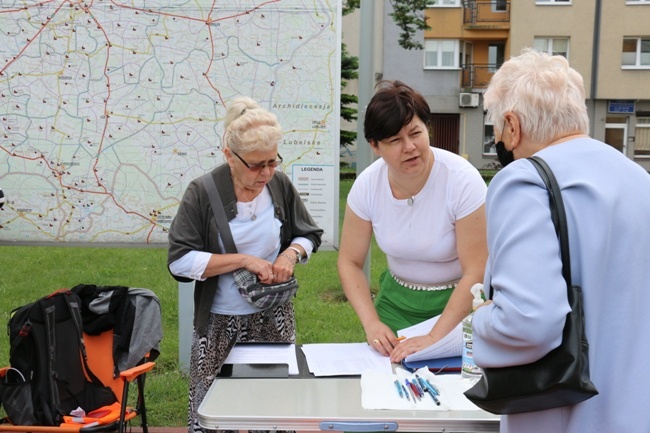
(132, 373)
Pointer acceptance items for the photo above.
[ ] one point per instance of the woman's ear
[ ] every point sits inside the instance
(228, 156)
(514, 130)
(374, 145)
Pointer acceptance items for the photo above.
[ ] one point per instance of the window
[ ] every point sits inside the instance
(499, 6)
(553, 2)
(636, 53)
(552, 46)
(496, 56)
(488, 139)
(642, 140)
(441, 54)
(442, 3)
(637, 2)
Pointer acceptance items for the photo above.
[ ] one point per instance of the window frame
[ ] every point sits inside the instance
(642, 122)
(638, 55)
(554, 2)
(487, 138)
(550, 42)
(440, 53)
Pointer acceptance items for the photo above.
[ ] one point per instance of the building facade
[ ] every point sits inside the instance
(608, 42)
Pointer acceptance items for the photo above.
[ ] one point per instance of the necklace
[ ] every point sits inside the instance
(253, 204)
(249, 207)
(411, 197)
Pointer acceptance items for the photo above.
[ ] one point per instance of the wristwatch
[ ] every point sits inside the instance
(298, 253)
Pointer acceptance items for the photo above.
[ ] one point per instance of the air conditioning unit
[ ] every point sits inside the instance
(468, 100)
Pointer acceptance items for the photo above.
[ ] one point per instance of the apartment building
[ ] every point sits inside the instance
(608, 42)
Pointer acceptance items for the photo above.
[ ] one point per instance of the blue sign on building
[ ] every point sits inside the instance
(620, 106)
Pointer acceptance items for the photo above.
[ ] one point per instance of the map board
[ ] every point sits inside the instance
(109, 108)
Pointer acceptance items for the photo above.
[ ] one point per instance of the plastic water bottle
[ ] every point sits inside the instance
(470, 372)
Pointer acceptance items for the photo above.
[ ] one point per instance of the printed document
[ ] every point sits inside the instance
(344, 359)
(448, 346)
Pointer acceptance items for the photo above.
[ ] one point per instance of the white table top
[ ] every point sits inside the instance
(330, 403)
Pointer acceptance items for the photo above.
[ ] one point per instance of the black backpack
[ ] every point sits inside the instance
(49, 376)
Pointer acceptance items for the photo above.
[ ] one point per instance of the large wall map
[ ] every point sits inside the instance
(109, 108)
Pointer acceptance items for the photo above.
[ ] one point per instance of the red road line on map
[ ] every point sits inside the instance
(58, 173)
(30, 40)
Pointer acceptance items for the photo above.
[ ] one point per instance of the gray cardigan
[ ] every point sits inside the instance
(194, 228)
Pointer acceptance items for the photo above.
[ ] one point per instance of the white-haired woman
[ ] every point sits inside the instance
(537, 104)
(271, 229)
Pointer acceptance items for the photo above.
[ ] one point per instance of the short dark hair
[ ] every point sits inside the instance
(393, 106)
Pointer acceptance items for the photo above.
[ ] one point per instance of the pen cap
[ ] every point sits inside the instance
(476, 290)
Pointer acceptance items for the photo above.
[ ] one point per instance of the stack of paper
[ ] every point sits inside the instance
(450, 345)
(344, 359)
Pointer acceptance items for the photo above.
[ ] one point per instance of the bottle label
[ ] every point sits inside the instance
(469, 366)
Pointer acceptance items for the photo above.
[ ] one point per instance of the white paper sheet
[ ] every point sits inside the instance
(264, 354)
(450, 345)
(339, 359)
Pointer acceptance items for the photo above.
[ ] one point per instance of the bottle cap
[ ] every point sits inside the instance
(476, 290)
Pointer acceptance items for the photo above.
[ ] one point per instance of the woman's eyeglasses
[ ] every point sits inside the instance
(259, 167)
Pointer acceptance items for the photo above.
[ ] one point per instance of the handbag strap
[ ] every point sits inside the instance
(219, 213)
(558, 213)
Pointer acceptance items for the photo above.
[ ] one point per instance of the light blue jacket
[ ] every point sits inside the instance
(607, 199)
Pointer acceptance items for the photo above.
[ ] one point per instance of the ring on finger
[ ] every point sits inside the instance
(375, 341)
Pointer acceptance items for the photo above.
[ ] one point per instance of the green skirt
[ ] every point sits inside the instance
(399, 307)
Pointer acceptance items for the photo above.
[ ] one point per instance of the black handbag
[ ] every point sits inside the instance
(262, 296)
(560, 378)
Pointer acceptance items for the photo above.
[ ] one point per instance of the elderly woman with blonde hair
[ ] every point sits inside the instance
(272, 230)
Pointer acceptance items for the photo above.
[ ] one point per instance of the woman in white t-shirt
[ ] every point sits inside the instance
(425, 207)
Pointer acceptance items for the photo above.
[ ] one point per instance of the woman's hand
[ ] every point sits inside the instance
(409, 346)
(262, 268)
(381, 338)
(283, 268)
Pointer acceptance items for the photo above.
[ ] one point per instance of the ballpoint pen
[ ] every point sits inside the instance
(399, 388)
(414, 390)
(406, 393)
(432, 391)
(418, 385)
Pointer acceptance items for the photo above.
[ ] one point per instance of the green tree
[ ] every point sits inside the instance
(349, 71)
(407, 14)
(409, 17)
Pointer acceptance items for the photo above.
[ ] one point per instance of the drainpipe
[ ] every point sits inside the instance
(594, 63)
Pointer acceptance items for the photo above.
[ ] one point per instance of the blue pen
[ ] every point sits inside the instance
(399, 389)
(422, 384)
(433, 391)
(406, 393)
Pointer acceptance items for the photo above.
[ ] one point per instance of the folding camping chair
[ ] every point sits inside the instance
(108, 418)
(102, 362)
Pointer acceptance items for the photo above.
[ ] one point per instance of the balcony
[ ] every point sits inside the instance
(476, 76)
(486, 14)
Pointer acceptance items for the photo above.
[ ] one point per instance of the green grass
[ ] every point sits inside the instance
(322, 314)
